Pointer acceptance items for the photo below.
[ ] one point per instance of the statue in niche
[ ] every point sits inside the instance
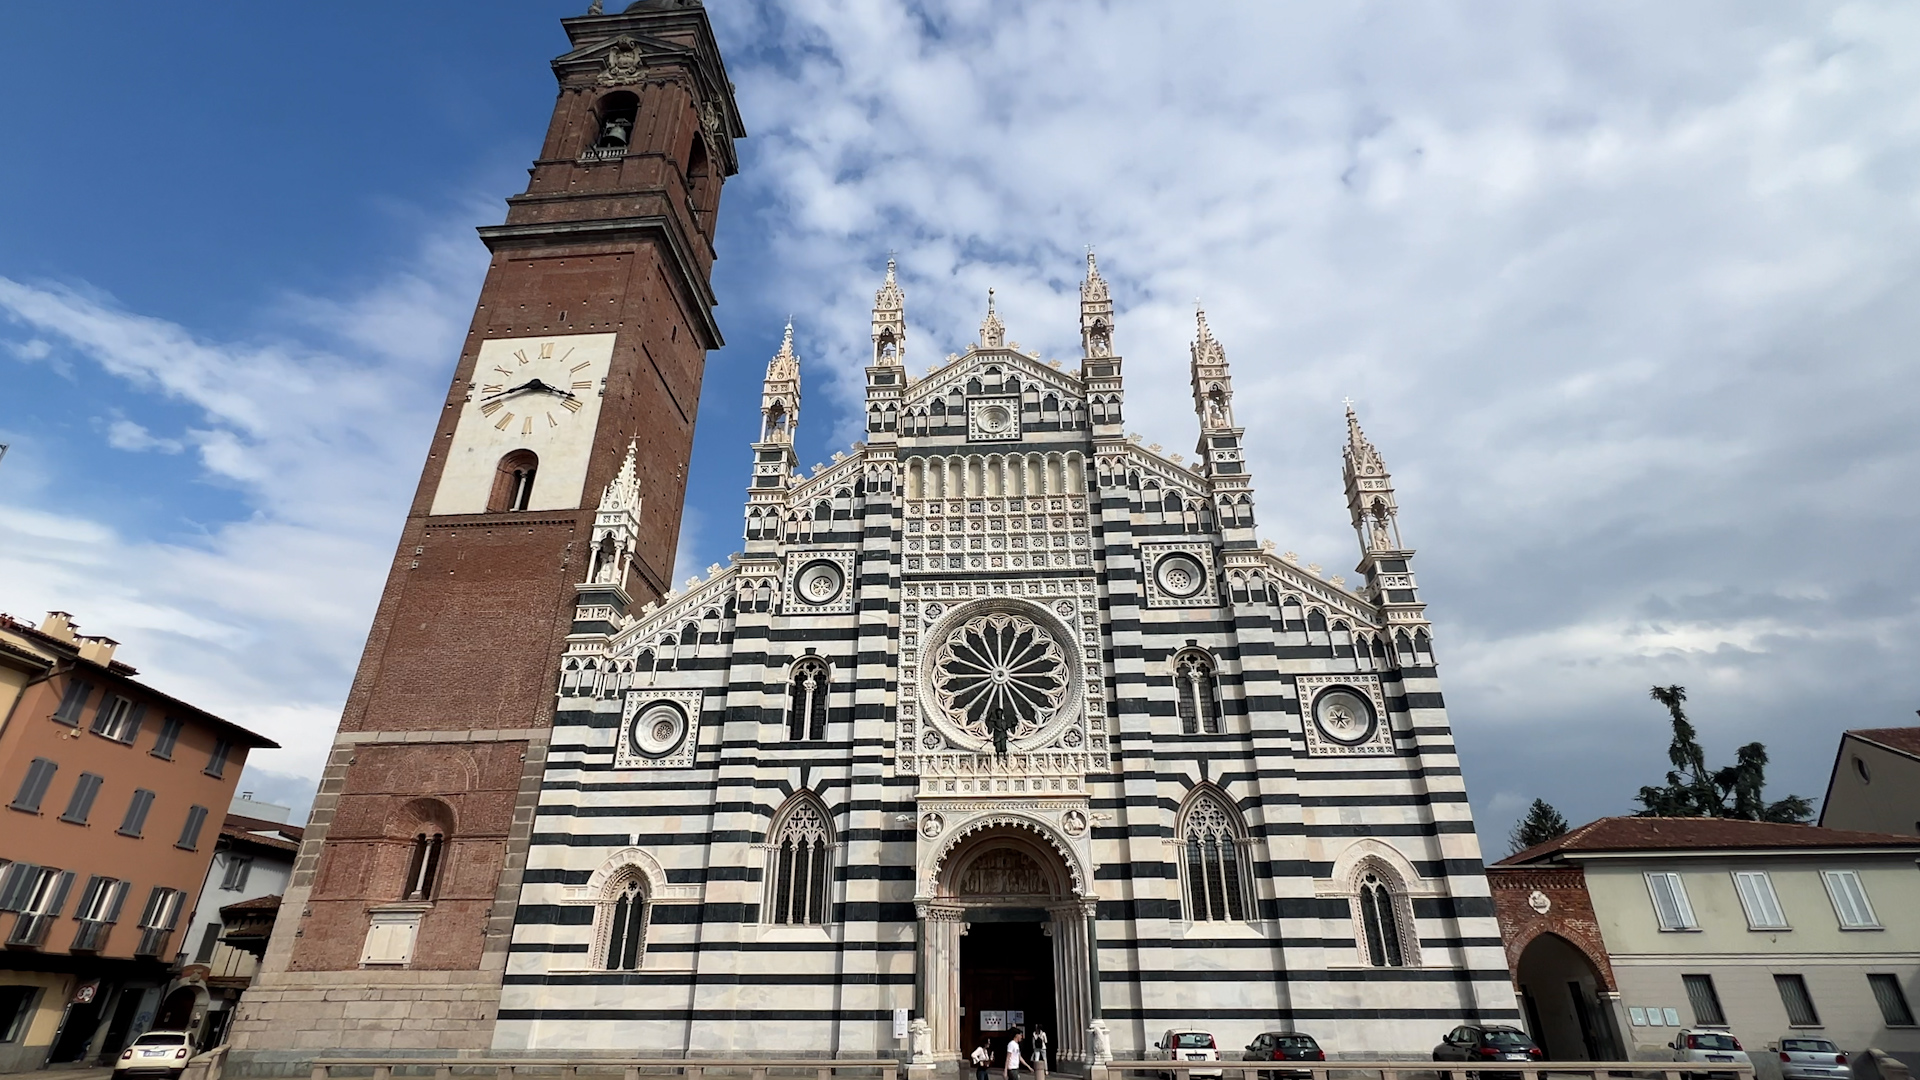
(1216, 408)
(1000, 724)
(1004, 873)
(1380, 539)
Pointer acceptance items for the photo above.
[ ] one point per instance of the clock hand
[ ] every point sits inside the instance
(514, 389)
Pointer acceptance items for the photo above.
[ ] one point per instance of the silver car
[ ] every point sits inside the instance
(1811, 1059)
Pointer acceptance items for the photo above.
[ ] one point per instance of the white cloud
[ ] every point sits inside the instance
(129, 435)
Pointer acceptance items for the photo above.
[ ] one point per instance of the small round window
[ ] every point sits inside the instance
(820, 582)
(1180, 575)
(1344, 715)
(658, 730)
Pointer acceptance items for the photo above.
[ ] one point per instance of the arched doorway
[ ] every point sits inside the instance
(1004, 942)
(1567, 1002)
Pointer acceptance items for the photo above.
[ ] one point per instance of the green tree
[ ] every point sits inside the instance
(1732, 792)
(1538, 825)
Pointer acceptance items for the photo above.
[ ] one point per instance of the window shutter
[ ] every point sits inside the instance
(34, 787)
(57, 896)
(136, 818)
(1670, 901)
(1849, 899)
(130, 730)
(113, 905)
(103, 715)
(90, 896)
(190, 832)
(81, 805)
(177, 899)
(73, 702)
(14, 882)
(1759, 899)
(169, 734)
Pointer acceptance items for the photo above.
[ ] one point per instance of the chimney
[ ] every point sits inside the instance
(97, 649)
(59, 625)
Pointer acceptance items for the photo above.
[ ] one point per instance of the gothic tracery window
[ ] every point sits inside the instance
(1379, 899)
(1215, 861)
(807, 701)
(1198, 694)
(801, 866)
(626, 920)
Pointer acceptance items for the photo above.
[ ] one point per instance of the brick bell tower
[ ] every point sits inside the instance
(590, 336)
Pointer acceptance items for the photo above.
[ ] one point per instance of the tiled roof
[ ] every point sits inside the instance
(270, 834)
(1681, 834)
(1906, 740)
(258, 903)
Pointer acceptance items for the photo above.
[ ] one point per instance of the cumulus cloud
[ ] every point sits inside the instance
(129, 435)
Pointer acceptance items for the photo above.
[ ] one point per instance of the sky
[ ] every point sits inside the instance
(1625, 294)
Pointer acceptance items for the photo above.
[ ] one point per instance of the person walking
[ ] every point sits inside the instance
(1039, 1053)
(981, 1059)
(1012, 1064)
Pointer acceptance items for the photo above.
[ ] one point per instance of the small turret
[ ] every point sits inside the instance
(1096, 313)
(1222, 457)
(1384, 558)
(890, 322)
(993, 332)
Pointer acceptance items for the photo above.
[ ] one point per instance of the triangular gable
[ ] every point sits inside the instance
(948, 377)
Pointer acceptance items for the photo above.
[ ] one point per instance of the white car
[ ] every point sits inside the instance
(157, 1053)
(1811, 1059)
(1714, 1045)
(1188, 1044)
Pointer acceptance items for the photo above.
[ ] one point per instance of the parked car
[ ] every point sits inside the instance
(1188, 1044)
(1811, 1059)
(156, 1053)
(1710, 1044)
(1474, 1042)
(1284, 1046)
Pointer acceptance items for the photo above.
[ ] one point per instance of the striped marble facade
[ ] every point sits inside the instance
(1234, 776)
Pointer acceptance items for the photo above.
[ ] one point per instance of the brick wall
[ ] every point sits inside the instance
(1569, 913)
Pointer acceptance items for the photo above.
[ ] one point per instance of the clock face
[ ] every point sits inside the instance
(538, 400)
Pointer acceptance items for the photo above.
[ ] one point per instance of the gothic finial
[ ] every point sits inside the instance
(623, 491)
(993, 332)
(594, 8)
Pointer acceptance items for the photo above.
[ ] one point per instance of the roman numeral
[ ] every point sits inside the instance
(579, 367)
(490, 407)
(492, 388)
(502, 370)
(522, 354)
(571, 404)
(546, 350)
(551, 422)
(564, 355)
(504, 421)
(526, 427)
(583, 385)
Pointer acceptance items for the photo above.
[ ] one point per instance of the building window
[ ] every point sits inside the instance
(99, 909)
(217, 762)
(1703, 998)
(118, 718)
(190, 832)
(158, 920)
(423, 868)
(1199, 701)
(37, 893)
(80, 804)
(169, 734)
(1850, 901)
(1380, 901)
(1799, 1003)
(1670, 902)
(1762, 904)
(807, 701)
(238, 869)
(1216, 881)
(1893, 1001)
(209, 938)
(801, 853)
(136, 819)
(513, 482)
(34, 786)
(626, 926)
(72, 702)
(16, 1008)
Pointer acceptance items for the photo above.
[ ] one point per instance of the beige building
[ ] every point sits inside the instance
(1771, 930)
(1876, 782)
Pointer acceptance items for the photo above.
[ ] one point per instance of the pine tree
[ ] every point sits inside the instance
(1540, 824)
(1732, 792)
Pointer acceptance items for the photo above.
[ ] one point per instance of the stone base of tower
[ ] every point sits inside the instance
(290, 1020)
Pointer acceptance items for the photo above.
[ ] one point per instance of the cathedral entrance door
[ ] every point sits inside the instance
(1006, 978)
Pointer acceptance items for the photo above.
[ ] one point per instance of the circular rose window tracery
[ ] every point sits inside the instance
(1000, 672)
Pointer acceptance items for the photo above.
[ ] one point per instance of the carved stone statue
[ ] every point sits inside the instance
(1004, 873)
(1102, 1041)
(920, 1033)
(1380, 540)
(595, 8)
(1000, 724)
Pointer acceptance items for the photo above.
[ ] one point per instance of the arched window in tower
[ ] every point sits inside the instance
(701, 188)
(615, 115)
(1197, 692)
(1380, 904)
(624, 913)
(513, 482)
(807, 701)
(800, 853)
(1215, 859)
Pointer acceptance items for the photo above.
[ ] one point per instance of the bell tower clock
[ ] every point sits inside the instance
(590, 336)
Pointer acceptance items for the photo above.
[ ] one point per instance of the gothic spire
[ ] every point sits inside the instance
(1096, 313)
(889, 321)
(1212, 381)
(780, 394)
(1370, 499)
(623, 491)
(993, 332)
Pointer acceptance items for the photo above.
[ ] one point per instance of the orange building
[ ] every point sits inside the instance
(114, 794)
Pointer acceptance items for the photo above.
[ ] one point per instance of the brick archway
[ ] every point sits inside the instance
(1568, 915)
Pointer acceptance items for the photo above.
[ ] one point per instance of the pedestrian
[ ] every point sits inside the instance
(1012, 1065)
(981, 1059)
(1039, 1053)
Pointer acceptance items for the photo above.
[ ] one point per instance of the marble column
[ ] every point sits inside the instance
(939, 974)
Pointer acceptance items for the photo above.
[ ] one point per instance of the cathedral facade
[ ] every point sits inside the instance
(1001, 719)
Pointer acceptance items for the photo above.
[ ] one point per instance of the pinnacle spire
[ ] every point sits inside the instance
(623, 491)
(1096, 312)
(993, 332)
(889, 320)
(1206, 348)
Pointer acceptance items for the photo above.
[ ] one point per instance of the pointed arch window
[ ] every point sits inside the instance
(807, 700)
(800, 867)
(1385, 916)
(624, 913)
(1198, 694)
(1215, 860)
(513, 482)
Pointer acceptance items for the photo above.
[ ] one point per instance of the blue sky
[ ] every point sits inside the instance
(1626, 295)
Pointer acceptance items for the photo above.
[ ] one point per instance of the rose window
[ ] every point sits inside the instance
(1000, 674)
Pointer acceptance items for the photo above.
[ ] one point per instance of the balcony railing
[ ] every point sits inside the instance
(29, 930)
(153, 941)
(602, 153)
(92, 936)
